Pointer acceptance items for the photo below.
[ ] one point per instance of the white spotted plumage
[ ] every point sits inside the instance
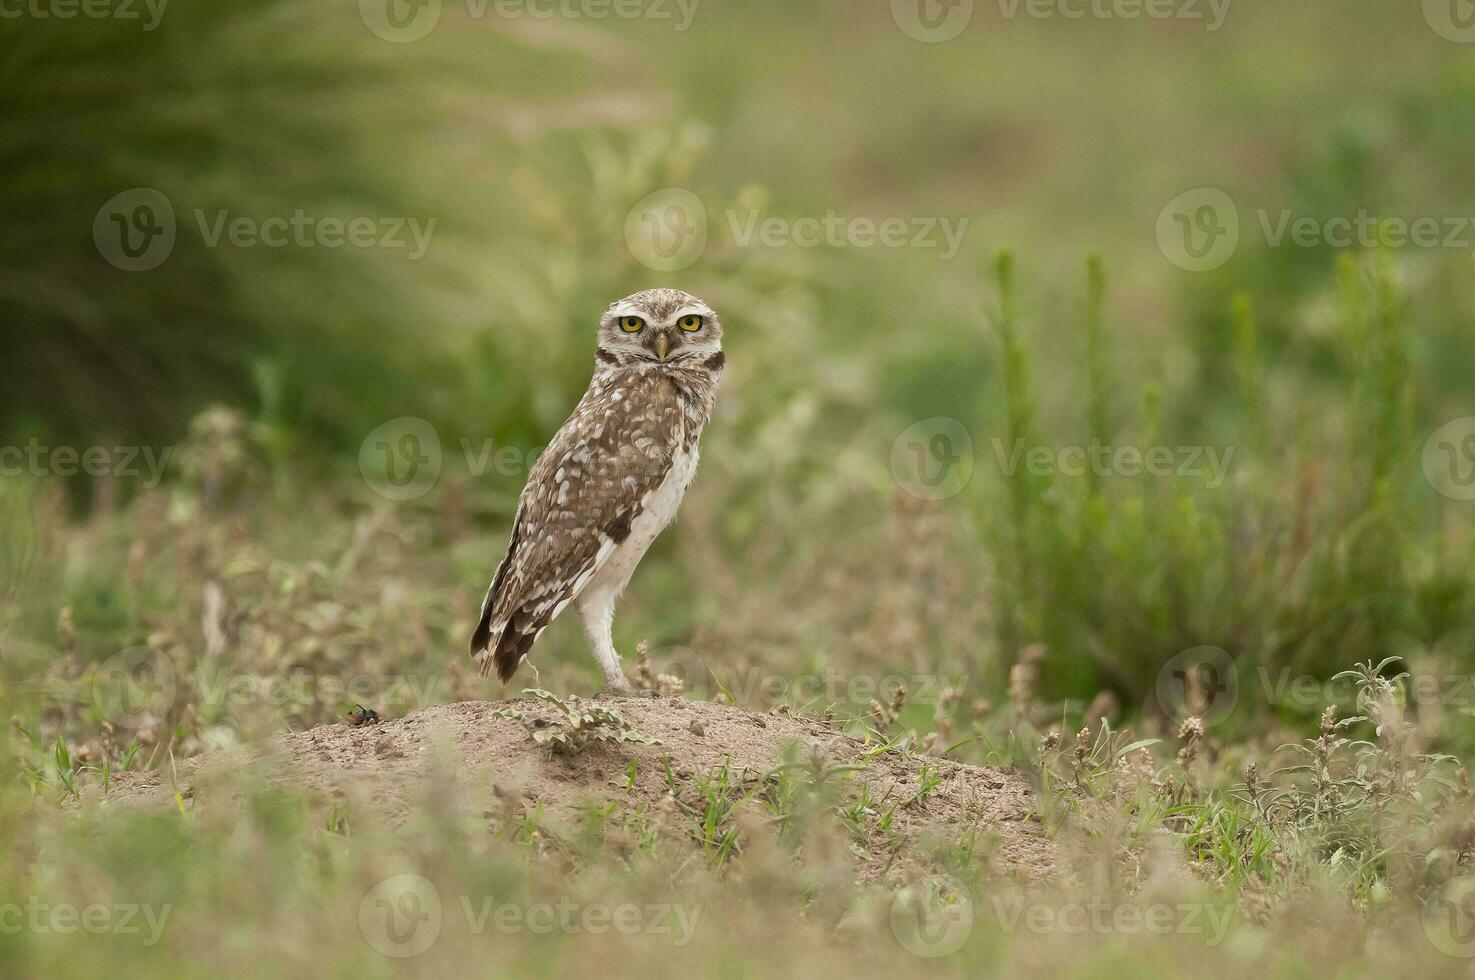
(610, 481)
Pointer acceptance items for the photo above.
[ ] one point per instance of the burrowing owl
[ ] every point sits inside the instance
(609, 481)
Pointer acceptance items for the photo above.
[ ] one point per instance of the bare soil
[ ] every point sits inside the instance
(482, 763)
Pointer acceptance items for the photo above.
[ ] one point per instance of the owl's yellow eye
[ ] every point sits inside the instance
(691, 322)
(631, 324)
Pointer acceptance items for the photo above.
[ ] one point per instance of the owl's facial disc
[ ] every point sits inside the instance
(663, 326)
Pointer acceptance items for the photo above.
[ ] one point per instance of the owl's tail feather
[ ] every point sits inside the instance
(484, 644)
(508, 653)
(503, 647)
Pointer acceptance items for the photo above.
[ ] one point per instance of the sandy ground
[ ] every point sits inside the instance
(488, 765)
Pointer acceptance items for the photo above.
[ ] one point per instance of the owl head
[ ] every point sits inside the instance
(659, 327)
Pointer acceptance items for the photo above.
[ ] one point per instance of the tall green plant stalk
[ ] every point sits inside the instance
(1249, 369)
(1015, 619)
(1099, 404)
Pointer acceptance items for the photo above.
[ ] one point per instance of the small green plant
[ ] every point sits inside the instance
(927, 782)
(574, 724)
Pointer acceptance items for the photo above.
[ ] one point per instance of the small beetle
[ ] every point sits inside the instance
(362, 716)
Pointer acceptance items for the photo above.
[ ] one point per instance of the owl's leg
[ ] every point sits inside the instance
(599, 615)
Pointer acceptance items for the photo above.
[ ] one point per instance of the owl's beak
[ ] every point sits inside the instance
(663, 344)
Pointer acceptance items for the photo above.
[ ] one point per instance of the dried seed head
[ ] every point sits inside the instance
(644, 673)
(1023, 674)
(898, 699)
(1191, 730)
(1083, 744)
(1051, 739)
(1329, 719)
(1145, 763)
(1022, 684)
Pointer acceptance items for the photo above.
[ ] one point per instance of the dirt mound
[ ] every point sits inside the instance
(491, 763)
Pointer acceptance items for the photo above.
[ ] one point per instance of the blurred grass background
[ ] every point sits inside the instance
(528, 140)
(265, 553)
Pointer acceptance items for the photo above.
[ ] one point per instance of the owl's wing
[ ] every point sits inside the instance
(582, 497)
